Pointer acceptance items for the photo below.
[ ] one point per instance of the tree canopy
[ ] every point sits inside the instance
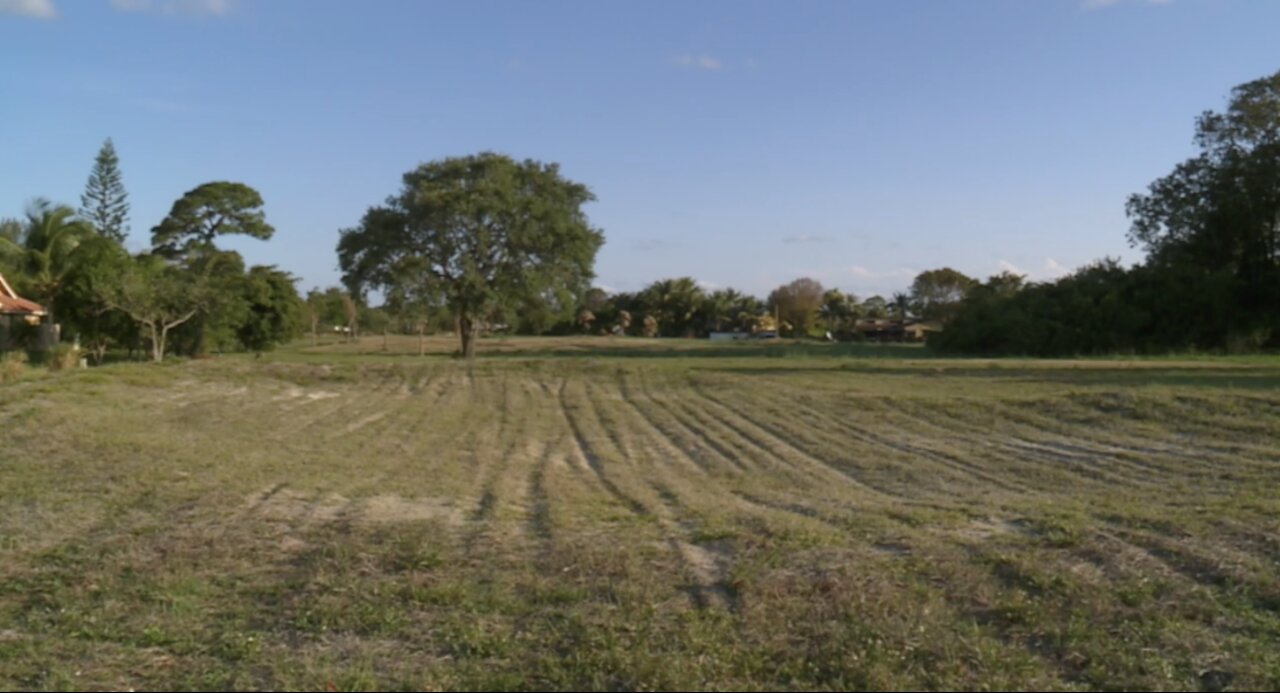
(797, 303)
(206, 212)
(484, 232)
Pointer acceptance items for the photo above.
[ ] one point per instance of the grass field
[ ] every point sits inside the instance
(641, 514)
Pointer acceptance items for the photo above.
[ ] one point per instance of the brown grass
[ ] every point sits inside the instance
(534, 520)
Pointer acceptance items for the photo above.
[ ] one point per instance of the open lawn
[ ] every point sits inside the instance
(640, 514)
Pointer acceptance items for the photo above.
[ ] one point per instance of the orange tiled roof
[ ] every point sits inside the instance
(12, 304)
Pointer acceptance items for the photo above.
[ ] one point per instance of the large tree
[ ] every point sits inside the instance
(1219, 211)
(187, 236)
(484, 231)
(206, 212)
(798, 303)
(935, 294)
(105, 204)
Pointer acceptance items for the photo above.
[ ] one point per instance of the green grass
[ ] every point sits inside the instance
(640, 514)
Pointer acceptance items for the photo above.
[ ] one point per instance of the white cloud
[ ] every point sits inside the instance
(1049, 271)
(702, 62)
(216, 8)
(709, 286)
(1054, 270)
(34, 9)
(860, 272)
(1006, 266)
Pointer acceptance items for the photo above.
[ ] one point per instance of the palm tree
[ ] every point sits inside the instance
(674, 303)
(45, 249)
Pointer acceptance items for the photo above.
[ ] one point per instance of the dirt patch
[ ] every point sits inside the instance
(287, 505)
(986, 528)
(392, 508)
(709, 565)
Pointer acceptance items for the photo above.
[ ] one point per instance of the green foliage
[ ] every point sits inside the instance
(674, 304)
(487, 234)
(274, 310)
(61, 357)
(839, 311)
(86, 315)
(45, 251)
(206, 212)
(105, 204)
(875, 307)
(157, 296)
(797, 304)
(12, 365)
(935, 294)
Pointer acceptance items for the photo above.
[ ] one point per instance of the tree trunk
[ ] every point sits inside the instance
(422, 345)
(466, 330)
(157, 342)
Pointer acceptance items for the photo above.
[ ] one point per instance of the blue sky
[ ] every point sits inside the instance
(742, 143)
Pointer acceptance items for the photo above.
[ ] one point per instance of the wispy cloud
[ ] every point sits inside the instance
(1048, 271)
(1006, 266)
(805, 238)
(32, 9)
(860, 272)
(701, 62)
(1053, 270)
(709, 286)
(214, 8)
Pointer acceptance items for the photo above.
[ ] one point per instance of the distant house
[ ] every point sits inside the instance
(728, 336)
(879, 330)
(916, 331)
(15, 312)
(895, 330)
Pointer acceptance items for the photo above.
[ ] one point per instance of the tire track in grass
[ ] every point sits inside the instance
(510, 438)
(829, 485)
(772, 453)
(767, 431)
(1068, 466)
(590, 454)
(345, 404)
(539, 524)
(648, 429)
(705, 569)
(1152, 438)
(670, 426)
(1022, 450)
(1016, 457)
(912, 453)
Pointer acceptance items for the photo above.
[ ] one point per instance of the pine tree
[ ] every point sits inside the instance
(105, 203)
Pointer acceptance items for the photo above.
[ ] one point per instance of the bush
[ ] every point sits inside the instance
(62, 357)
(12, 366)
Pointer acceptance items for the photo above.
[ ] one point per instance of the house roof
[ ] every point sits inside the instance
(12, 304)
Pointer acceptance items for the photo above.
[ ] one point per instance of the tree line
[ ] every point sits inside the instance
(1211, 277)
(487, 243)
(182, 295)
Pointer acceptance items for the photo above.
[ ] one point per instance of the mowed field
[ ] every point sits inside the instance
(641, 514)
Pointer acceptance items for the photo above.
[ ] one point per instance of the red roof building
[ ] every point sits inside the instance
(12, 304)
